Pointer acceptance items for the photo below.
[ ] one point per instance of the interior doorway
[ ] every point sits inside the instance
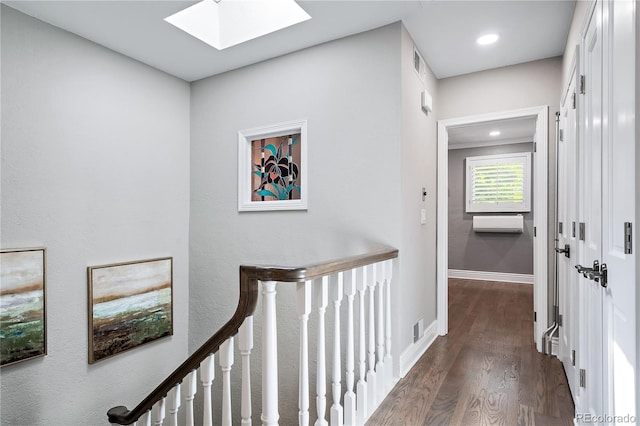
(539, 201)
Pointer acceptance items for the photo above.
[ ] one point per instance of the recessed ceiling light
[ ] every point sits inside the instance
(225, 23)
(495, 133)
(487, 39)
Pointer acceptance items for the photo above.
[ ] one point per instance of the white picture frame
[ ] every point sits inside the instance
(272, 167)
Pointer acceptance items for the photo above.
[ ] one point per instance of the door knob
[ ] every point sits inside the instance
(600, 276)
(597, 273)
(583, 270)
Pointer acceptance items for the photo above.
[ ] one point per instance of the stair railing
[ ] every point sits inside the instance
(365, 275)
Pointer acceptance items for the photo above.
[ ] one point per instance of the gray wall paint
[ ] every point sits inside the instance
(490, 252)
(95, 167)
(518, 86)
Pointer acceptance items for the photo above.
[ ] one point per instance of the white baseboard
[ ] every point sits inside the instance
(412, 354)
(491, 276)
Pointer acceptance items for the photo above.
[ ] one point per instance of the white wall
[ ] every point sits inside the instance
(518, 86)
(349, 91)
(573, 39)
(95, 167)
(418, 169)
(371, 150)
(636, 231)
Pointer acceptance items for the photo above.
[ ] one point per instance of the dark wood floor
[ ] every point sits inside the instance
(486, 371)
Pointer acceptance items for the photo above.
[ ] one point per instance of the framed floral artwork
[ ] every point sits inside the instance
(23, 332)
(130, 304)
(272, 167)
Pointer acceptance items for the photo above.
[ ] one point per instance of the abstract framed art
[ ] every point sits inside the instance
(23, 331)
(272, 167)
(130, 304)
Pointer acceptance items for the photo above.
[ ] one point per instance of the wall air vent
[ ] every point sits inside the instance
(418, 330)
(419, 65)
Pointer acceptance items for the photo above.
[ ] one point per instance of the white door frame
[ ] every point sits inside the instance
(540, 189)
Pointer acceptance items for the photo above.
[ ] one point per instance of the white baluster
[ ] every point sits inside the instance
(226, 362)
(245, 344)
(207, 374)
(380, 369)
(337, 294)
(303, 305)
(361, 387)
(174, 404)
(321, 375)
(371, 374)
(270, 414)
(145, 419)
(160, 412)
(350, 396)
(388, 271)
(191, 382)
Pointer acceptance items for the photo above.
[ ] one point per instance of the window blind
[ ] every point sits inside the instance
(499, 183)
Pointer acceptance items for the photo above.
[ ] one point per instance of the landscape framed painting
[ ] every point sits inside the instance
(272, 167)
(23, 329)
(130, 304)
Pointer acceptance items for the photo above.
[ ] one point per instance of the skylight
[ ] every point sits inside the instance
(226, 23)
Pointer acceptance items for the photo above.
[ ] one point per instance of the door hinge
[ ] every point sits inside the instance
(583, 85)
(561, 135)
(535, 231)
(535, 316)
(559, 227)
(535, 147)
(573, 229)
(573, 100)
(582, 231)
(573, 357)
(560, 320)
(583, 378)
(628, 238)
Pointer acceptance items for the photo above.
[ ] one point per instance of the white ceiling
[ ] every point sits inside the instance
(515, 130)
(444, 31)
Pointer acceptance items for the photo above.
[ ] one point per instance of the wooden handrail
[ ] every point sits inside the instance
(249, 277)
(246, 306)
(306, 273)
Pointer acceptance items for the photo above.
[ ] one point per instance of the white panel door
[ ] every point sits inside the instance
(590, 214)
(619, 208)
(567, 215)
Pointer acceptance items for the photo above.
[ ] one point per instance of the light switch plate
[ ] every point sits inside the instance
(423, 216)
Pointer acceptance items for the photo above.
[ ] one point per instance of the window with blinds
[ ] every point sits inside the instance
(499, 183)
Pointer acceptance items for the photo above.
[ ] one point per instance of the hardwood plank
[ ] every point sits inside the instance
(486, 370)
(526, 416)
